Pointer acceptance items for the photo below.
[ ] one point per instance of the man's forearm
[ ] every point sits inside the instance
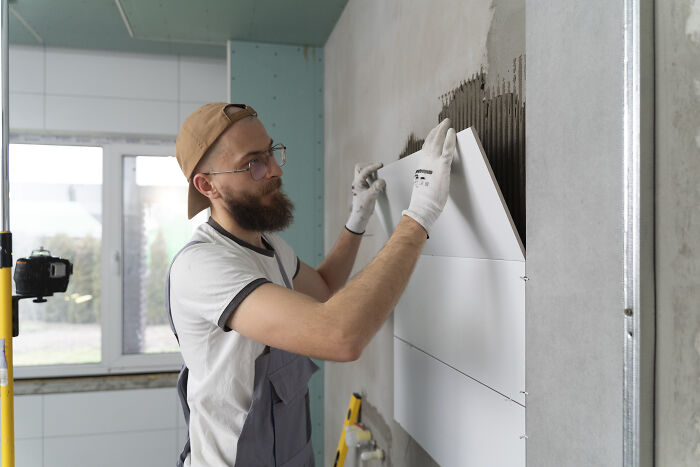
(336, 268)
(364, 304)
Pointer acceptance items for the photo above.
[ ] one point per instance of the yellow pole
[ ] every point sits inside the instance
(7, 409)
(7, 393)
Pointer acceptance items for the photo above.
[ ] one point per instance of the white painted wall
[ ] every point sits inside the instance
(79, 91)
(108, 428)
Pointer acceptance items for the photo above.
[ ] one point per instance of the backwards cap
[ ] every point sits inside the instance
(198, 133)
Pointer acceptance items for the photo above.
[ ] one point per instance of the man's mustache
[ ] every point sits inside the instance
(274, 184)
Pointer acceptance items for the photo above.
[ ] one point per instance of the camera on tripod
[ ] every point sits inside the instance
(38, 276)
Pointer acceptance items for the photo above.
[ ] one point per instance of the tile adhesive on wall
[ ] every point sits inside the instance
(498, 116)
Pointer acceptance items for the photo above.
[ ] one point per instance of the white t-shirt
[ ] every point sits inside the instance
(207, 282)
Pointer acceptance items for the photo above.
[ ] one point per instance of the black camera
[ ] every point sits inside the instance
(41, 275)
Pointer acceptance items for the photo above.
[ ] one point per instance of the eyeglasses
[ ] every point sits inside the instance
(258, 167)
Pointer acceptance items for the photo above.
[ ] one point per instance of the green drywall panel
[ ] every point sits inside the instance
(216, 21)
(285, 86)
(180, 27)
(93, 25)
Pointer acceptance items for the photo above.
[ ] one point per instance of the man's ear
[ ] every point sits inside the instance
(204, 186)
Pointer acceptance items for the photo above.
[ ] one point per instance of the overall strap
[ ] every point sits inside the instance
(285, 277)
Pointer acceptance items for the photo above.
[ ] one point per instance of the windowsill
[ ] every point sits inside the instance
(95, 383)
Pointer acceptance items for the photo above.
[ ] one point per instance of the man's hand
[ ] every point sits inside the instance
(431, 183)
(364, 196)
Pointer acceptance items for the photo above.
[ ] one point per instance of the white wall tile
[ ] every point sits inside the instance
(458, 421)
(202, 79)
(470, 314)
(29, 453)
(90, 114)
(26, 111)
(139, 448)
(186, 109)
(29, 412)
(100, 74)
(475, 212)
(70, 90)
(26, 68)
(108, 412)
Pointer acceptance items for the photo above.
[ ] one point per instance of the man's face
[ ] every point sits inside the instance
(256, 205)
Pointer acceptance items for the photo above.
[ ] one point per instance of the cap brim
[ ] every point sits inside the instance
(196, 202)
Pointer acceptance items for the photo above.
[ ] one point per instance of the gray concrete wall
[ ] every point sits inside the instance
(678, 233)
(386, 65)
(574, 298)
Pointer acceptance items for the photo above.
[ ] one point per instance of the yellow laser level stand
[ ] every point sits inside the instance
(352, 417)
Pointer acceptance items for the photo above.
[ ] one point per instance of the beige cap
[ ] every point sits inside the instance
(198, 133)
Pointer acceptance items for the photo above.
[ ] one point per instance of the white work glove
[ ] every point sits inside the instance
(431, 182)
(364, 196)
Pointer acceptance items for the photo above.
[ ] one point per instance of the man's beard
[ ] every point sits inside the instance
(251, 214)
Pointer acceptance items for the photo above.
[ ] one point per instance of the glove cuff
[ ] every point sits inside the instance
(353, 232)
(425, 219)
(356, 224)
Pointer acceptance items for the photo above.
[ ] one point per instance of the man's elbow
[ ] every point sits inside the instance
(346, 349)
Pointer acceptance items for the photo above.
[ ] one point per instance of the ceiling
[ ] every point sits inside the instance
(184, 27)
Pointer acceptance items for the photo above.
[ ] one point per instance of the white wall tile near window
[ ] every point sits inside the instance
(109, 428)
(29, 452)
(27, 110)
(69, 91)
(27, 70)
(145, 448)
(202, 79)
(131, 76)
(72, 114)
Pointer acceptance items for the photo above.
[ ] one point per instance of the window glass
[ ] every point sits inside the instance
(155, 228)
(56, 203)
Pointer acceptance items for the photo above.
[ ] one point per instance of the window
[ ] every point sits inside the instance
(118, 212)
(56, 203)
(154, 230)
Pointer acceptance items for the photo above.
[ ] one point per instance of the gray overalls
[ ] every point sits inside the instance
(277, 429)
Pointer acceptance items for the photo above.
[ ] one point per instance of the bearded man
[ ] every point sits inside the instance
(248, 313)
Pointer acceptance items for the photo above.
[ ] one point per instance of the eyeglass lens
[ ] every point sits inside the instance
(258, 169)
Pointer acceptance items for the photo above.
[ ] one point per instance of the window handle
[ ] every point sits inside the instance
(116, 263)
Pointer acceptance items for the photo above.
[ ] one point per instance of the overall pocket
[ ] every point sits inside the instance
(290, 408)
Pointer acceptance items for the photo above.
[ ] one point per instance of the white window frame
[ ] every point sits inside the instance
(113, 360)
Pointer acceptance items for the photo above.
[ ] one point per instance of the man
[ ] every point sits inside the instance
(248, 313)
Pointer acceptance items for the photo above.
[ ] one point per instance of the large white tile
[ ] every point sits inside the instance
(29, 453)
(99, 74)
(458, 421)
(85, 114)
(26, 111)
(26, 67)
(470, 314)
(29, 412)
(475, 222)
(108, 412)
(144, 448)
(202, 79)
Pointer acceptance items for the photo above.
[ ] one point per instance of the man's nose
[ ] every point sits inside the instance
(273, 168)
